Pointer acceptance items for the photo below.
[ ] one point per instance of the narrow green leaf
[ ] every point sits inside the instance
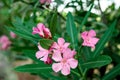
(71, 30)
(46, 43)
(25, 36)
(87, 53)
(34, 68)
(97, 62)
(17, 23)
(31, 54)
(54, 77)
(113, 73)
(104, 39)
(53, 24)
(85, 18)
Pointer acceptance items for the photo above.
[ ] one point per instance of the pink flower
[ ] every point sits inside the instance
(64, 62)
(89, 38)
(13, 35)
(42, 54)
(4, 42)
(42, 31)
(60, 46)
(45, 1)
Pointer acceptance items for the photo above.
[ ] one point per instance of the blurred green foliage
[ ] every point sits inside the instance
(27, 13)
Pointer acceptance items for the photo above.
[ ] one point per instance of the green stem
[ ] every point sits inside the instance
(85, 18)
(76, 73)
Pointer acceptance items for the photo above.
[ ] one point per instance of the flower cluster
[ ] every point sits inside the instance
(59, 52)
(4, 42)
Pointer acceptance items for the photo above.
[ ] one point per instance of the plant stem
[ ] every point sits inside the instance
(76, 73)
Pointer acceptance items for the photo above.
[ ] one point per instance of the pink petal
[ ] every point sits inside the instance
(56, 67)
(39, 54)
(13, 35)
(42, 1)
(44, 58)
(65, 69)
(94, 40)
(56, 56)
(61, 41)
(40, 26)
(5, 46)
(66, 45)
(35, 30)
(68, 53)
(91, 33)
(55, 45)
(49, 1)
(47, 32)
(4, 42)
(84, 34)
(41, 49)
(73, 63)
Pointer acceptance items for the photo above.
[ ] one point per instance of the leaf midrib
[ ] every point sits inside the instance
(34, 68)
(95, 62)
(71, 32)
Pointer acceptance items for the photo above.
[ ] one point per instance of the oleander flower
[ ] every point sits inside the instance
(42, 54)
(65, 62)
(4, 42)
(13, 35)
(60, 45)
(89, 38)
(42, 31)
(45, 1)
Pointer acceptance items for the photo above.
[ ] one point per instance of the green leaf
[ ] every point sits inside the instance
(97, 62)
(34, 68)
(31, 54)
(22, 34)
(53, 24)
(54, 77)
(104, 39)
(113, 73)
(87, 53)
(71, 30)
(85, 18)
(46, 43)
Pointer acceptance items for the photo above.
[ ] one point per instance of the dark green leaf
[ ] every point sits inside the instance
(87, 52)
(31, 54)
(97, 62)
(53, 24)
(71, 30)
(46, 43)
(24, 35)
(113, 73)
(34, 68)
(104, 39)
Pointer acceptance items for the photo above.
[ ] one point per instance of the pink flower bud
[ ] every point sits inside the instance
(49, 61)
(42, 31)
(13, 35)
(45, 1)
